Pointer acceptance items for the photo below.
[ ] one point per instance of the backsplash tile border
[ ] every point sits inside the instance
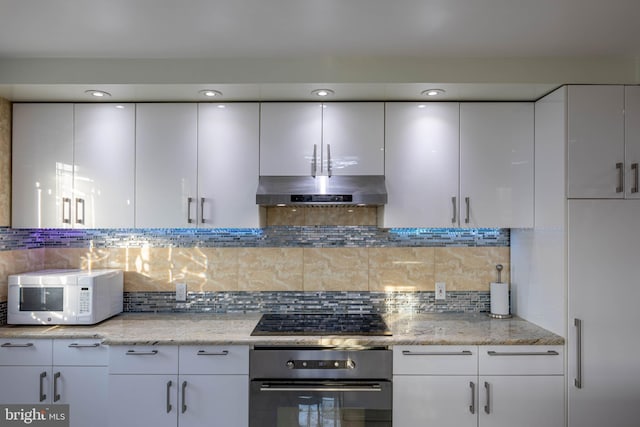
(275, 236)
(323, 301)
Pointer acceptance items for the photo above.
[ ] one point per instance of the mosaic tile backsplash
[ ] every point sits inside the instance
(294, 302)
(258, 269)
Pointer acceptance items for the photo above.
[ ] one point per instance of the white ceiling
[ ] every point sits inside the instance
(324, 31)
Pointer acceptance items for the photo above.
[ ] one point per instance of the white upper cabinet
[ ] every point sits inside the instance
(313, 139)
(496, 164)
(228, 147)
(632, 142)
(166, 165)
(73, 165)
(290, 138)
(353, 138)
(421, 169)
(42, 156)
(104, 158)
(596, 152)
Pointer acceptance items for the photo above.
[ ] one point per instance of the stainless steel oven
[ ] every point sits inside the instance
(320, 387)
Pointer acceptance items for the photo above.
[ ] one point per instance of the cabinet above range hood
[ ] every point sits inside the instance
(321, 190)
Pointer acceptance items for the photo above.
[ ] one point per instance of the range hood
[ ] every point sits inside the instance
(321, 190)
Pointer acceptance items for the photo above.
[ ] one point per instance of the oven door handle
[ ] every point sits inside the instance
(321, 387)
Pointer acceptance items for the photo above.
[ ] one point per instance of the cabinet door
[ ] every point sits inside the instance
(603, 269)
(632, 142)
(496, 164)
(25, 384)
(84, 388)
(143, 400)
(228, 152)
(523, 401)
(421, 164)
(353, 138)
(290, 135)
(42, 165)
(446, 401)
(223, 398)
(595, 142)
(166, 165)
(104, 154)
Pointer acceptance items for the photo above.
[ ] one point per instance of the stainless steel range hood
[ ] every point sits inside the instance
(321, 190)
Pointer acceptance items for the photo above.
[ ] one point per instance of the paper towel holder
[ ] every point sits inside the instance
(507, 315)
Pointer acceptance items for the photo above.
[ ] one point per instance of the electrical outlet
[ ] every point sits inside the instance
(441, 291)
(181, 291)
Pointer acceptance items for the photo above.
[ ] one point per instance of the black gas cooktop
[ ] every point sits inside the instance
(321, 324)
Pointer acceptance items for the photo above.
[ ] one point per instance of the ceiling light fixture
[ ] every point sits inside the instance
(432, 92)
(322, 92)
(210, 93)
(97, 93)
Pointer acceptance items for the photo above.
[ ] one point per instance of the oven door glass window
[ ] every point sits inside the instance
(320, 404)
(41, 299)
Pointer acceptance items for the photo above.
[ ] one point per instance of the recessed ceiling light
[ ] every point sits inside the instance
(432, 92)
(322, 92)
(97, 93)
(210, 93)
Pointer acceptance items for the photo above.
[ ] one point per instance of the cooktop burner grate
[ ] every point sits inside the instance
(321, 324)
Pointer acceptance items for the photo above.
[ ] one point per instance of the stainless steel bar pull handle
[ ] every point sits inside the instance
(578, 380)
(487, 407)
(141, 353)
(467, 202)
(620, 187)
(169, 407)
(43, 396)
(76, 345)
(634, 169)
(189, 201)
(10, 345)
(207, 353)
(322, 388)
(79, 217)
(184, 397)
(56, 395)
(202, 220)
(314, 162)
(523, 353)
(329, 167)
(472, 407)
(66, 213)
(454, 218)
(436, 353)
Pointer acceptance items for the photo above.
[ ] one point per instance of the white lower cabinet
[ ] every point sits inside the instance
(435, 385)
(184, 386)
(521, 385)
(43, 371)
(478, 386)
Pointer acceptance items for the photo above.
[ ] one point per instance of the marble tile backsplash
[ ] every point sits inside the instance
(293, 269)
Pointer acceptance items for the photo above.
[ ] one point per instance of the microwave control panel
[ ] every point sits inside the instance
(85, 301)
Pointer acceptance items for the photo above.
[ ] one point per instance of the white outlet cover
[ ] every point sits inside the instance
(181, 291)
(441, 291)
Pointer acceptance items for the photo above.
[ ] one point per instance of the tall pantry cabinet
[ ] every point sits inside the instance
(595, 227)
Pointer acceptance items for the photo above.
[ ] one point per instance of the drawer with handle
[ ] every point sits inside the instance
(25, 352)
(521, 360)
(435, 360)
(143, 359)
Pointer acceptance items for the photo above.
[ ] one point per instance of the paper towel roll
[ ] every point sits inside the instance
(500, 299)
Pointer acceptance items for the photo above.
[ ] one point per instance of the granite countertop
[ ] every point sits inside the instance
(229, 329)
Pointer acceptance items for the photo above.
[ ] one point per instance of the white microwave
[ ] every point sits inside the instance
(64, 297)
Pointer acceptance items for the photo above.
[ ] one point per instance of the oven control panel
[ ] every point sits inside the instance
(321, 364)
